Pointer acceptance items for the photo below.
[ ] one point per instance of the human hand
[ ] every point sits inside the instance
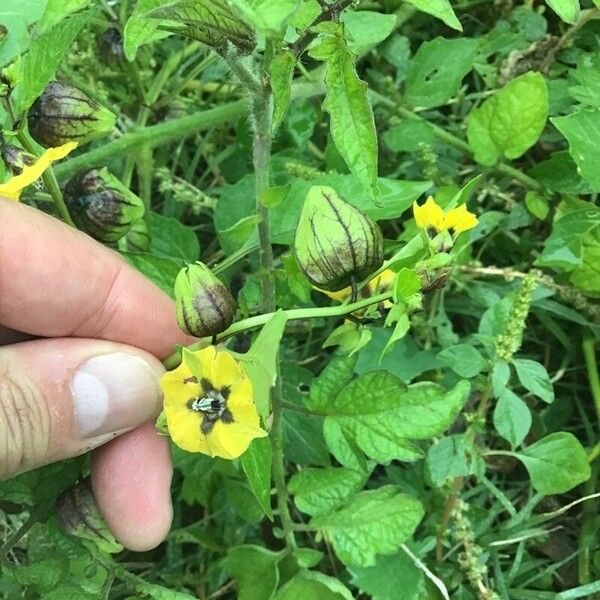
(94, 381)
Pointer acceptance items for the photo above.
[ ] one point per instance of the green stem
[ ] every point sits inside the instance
(293, 314)
(589, 354)
(49, 179)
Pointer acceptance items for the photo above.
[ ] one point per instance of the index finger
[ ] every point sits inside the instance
(56, 281)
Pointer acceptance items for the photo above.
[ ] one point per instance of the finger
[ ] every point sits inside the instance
(131, 478)
(62, 397)
(57, 282)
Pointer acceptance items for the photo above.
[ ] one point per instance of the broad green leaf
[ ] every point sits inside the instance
(512, 418)
(267, 16)
(394, 577)
(511, 121)
(563, 248)
(41, 575)
(161, 271)
(537, 205)
(256, 462)
(169, 238)
(139, 29)
(255, 571)
(582, 130)
(500, 377)
(350, 337)
(374, 522)
(556, 463)
(343, 447)
(39, 65)
(559, 174)
(463, 359)
(440, 9)
(406, 285)
(352, 123)
(243, 501)
(57, 10)
(329, 383)
(567, 10)
(451, 457)
(365, 29)
(313, 585)
(437, 70)
(319, 491)
(16, 22)
(260, 362)
(587, 275)
(281, 71)
(586, 74)
(308, 557)
(409, 135)
(534, 377)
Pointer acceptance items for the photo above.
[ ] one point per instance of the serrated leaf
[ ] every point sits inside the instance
(328, 384)
(343, 447)
(512, 418)
(375, 522)
(567, 10)
(556, 463)
(582, 130)
(511, 121)
(256, 462)
(319, 491)
(534, 377)
(440, 9)
(255, 571)
(352, 122)
(267, 16)
(437, 70)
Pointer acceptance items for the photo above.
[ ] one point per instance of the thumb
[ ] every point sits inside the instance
(62, 397)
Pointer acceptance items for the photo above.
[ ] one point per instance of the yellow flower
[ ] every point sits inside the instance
(208, 404)
(13, 187)
(431, 216)
(378, 285)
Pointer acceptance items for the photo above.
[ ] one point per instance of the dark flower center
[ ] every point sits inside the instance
(212, 404)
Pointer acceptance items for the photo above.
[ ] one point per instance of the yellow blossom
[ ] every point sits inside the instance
(378, 285)
(208, 404)
(431, 216)
(13, 187)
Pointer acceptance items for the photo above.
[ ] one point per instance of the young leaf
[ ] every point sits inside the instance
(375, 522)
(534, 377)
(140, 29)
(511, 121)
(437, 70)
(463, 359)
(256, 462)
(352, 122)
(365, 29)
(582, 130)
(311, 584)
(255, 571)
(319, 491)
(440, 9)
(281, 71)
(567, 10)
(350, 337)
(556, 463)
(512, 418)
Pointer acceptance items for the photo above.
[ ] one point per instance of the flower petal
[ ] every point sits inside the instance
(429, 215)
(338, 296)
(13, 187)
(460, 219)
(225, 370)
(184, 429)
(231, 440)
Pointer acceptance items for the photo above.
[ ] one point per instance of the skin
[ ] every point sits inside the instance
(64, 297)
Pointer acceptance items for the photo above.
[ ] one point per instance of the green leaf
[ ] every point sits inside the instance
(537, 205)
(313, 585)
(451, 457)
(406, 285)
(157, 592)
(161, 271)
(567, 10)
(582, 130)
(559, 174)
(564, 247)
(267, 16)
(139, 29)
(440, 9)
(352, 123)
(463, 359)
(350, 337)
(256, 462)
(39, 65)
(330, 382)
(587, 276)
(512, 418)
(437, 70)
(169, 238)
(255, 571)
(511, 121)
(556, 463)
(57, 10)
(394, 577)
(408, 135)
(16, 22)
(374, 522)
(534, 377)
(586, 74)
(365, 29)
(261, 361)
(281, 71)
(343, 447)
(319, 491)
(399, 315)
(500, 377)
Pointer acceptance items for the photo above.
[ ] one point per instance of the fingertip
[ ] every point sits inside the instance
(131, 478)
